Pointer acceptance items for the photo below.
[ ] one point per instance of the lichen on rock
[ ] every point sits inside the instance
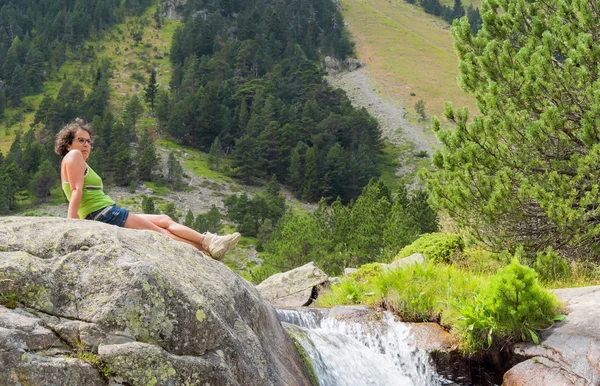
(143, 302)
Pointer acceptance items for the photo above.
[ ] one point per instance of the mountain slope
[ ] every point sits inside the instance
(406, 52)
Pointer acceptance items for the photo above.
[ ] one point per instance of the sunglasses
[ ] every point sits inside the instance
(83, 140)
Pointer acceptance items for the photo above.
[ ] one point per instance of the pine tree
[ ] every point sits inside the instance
(123, 165)
(458, 10)
(400, 229)
(189, 219)
(215, 155)
(526, 169)
(3, 102)
(148, 205)
(423, 215)
(133, 110)
(43, 181)
(163, 107)
(245, 161)
(171, 211)
(311, 188)
(147, 158)
(16, 86)
(151, 90)
(335, 175)
(174, 172)
(296, 172)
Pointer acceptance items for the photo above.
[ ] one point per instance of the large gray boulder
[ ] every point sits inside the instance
(98, 305)
(332, 65)
(295, 288)
(569, 352)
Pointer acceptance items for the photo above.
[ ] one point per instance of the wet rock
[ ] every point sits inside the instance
(432, 337)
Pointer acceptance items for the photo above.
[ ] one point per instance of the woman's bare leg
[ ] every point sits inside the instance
(165, 222)
(154, 222)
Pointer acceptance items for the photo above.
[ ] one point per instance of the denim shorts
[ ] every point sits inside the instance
(110, 215)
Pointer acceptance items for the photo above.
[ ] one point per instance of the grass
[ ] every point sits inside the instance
(160, 189)
(196, 161)
(406, 52)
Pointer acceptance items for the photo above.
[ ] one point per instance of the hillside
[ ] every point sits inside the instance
(408, 54)
(133, 47)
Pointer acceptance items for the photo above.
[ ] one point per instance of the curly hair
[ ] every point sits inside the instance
(67, 134)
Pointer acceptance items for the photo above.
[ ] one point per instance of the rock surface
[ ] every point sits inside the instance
(174, 8)
(415, 258)
(332, 65)
(295, 288)
(98, 304)
(569, 352)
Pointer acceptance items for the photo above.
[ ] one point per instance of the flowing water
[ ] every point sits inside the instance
(345, 353)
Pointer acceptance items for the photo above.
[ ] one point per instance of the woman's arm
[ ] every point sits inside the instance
(75, 170)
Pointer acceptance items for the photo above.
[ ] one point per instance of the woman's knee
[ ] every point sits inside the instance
(165, 220)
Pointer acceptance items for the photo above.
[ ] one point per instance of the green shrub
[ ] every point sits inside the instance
(436, 247)
(263, 272)
(510, 308)
(367, 272)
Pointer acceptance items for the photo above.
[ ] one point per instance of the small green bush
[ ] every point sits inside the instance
(436, 247)
(367, 272)
(510, 308)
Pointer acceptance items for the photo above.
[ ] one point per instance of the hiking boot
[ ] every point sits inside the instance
(218, 246)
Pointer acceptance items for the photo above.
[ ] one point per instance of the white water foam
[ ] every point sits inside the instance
(354, 354)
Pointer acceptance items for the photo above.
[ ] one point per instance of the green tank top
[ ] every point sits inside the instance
(93, 197)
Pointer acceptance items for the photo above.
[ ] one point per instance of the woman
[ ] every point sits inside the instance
(83, 188)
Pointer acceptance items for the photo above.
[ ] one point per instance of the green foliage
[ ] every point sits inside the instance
(189, 219)
(511, 307)
(215, 155)
(43, 181)
(437, 247)
(148, 206)
(174, 172)
(373, 229)
(415, 292)
(525, 171)
(209, 221)
(262, 273)
(133, 109)
(480, 311)
(151, 90)
(170, 210)
(420, 109)
(262, 96)
(251, 214)
(550, 267)
(147, 157)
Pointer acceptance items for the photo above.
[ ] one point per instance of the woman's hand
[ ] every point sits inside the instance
(75, 170)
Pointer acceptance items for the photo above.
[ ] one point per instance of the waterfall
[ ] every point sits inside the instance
(347, 353)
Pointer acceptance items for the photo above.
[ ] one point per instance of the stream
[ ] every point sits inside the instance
(347, 353)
